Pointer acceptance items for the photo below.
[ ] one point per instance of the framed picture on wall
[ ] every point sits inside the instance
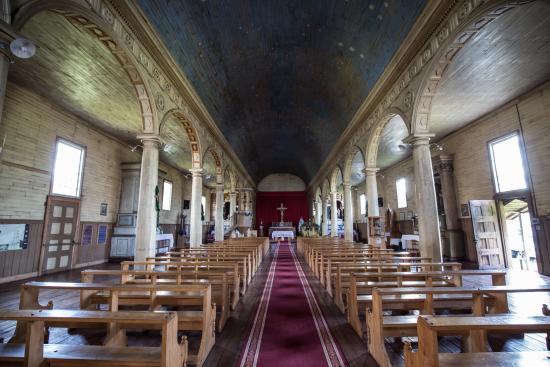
(103, 209)
(402, 216)
(410, 215)
(464, 210)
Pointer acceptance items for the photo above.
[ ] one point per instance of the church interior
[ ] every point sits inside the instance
(274, 183)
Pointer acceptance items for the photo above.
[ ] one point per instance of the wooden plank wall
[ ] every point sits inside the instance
(17, 262)
(472, 172)
(32, 125)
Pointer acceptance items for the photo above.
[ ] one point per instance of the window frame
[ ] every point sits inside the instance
(363, 204)
(80, 183)
(164, 193)
(404, 180)
(494, 174)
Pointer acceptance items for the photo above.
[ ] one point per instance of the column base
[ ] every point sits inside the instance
(454, 245)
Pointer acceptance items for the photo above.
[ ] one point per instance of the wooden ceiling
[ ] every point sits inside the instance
(509, 57)
(76, 71)
(282, 78)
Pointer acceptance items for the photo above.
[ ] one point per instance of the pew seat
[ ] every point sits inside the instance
(34, 352)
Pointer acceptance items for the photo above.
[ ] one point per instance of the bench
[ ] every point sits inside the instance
(474, 329)
(231, 268)
(34, 352)
(480, 300)
(152, 295)
(362, 284)
(221, 291)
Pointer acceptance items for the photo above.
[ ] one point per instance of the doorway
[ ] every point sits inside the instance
(513, 198)
(520, 243)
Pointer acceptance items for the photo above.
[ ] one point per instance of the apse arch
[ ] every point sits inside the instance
(86, 19)
(468, 22)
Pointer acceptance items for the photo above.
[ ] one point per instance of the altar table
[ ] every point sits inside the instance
(282, 234)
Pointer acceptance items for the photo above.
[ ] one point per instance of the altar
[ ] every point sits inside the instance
(282, 230)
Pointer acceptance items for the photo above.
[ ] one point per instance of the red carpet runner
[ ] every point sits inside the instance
(289, 328)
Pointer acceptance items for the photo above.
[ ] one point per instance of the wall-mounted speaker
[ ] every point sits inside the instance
(380, 202)
(186, 204)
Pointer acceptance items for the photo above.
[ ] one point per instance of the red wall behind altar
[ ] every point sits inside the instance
(266, 202)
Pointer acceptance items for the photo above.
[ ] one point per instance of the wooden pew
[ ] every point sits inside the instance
(341, 278)
(479, 300)
(474, 329)
(217, 280)
(152, 295)
(33, 352)
(231, 268)
(362, 284)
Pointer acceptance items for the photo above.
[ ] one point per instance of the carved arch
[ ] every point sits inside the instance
(373, 139)
(334, 178)
(325, 190)
(469, 18)
(80, 14)
(231, 175)
(348, 161)
(190, 131)
(216, 155)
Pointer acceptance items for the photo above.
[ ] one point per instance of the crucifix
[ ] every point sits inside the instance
(282, 210)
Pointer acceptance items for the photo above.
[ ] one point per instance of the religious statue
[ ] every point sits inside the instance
(282, 210)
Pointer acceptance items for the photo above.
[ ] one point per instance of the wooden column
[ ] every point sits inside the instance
(334, 215)
(426, 205)
(455, 250)
(372, 191)
(348, 213)
(218, 225)
(195, 222)
(324, 224)
(146, 224)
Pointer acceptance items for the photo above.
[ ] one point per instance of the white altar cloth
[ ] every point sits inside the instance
(281, 234)
(406, 240)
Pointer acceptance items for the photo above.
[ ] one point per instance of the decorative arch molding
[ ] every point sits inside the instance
(373, 139)
(334, 178)
(192, 136)
(82, 15)
(216, 155)
(410, 88)
(325, 189)
(231, 174)
(467, 20)
(318, 196)
(348, 161)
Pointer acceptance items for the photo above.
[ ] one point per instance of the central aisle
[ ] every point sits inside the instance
(289, 328)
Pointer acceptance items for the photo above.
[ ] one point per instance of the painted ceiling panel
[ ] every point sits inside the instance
(282, 79)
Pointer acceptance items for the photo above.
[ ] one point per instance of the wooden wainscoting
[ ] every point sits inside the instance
(94, 247)
(19, 264)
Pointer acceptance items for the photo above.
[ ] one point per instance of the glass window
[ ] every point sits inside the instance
(166, 195)
(363, 202)
(102, 234)
(507, 161)
(68, 168)
(401, 186)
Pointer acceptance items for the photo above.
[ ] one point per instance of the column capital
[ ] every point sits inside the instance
(347, 185)
(418, 139)
(371, 170)
(149, 139)
(196, 172)
(219, 186)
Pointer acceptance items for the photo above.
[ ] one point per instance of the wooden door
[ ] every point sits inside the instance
(487, 241)
(60, 225)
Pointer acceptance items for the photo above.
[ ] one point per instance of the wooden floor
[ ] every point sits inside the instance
(228, 343)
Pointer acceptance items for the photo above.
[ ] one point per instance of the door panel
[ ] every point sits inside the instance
(487, 240)
(60, 227)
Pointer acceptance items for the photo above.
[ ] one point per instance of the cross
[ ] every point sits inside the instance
(282, 210)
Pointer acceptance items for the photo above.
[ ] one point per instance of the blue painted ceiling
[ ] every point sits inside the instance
(282, 78)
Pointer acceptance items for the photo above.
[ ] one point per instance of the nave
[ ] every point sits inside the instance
(287, 316)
